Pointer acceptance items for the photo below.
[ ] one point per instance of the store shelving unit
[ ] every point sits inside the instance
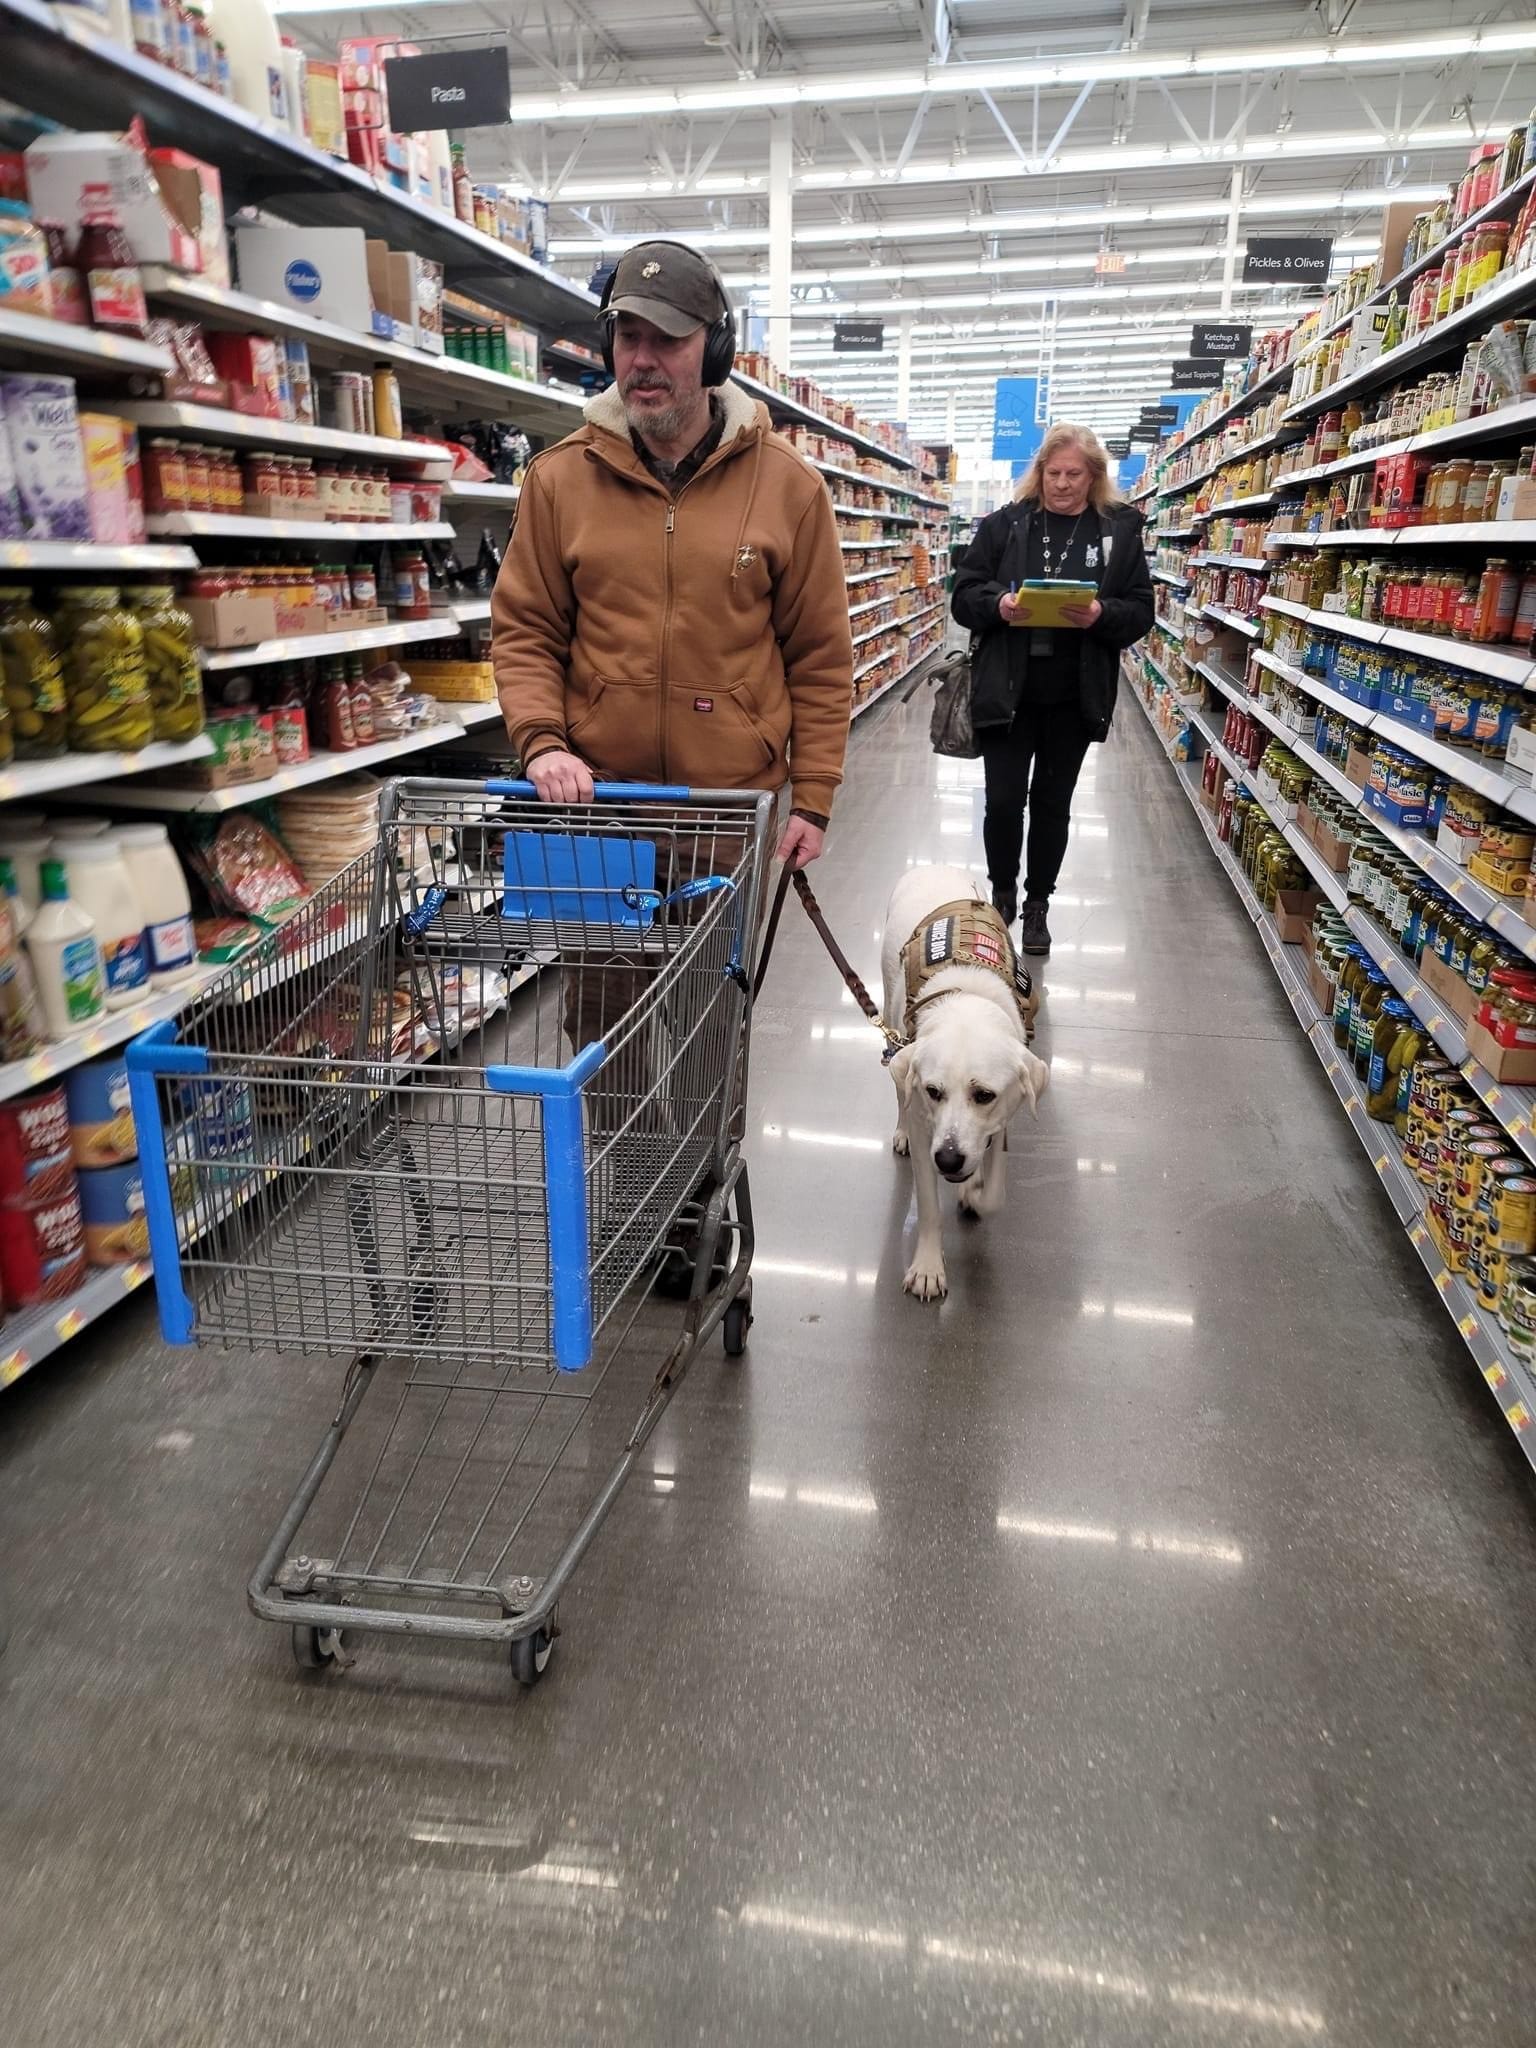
(91, 558)
(1512, 1384)
(300, 532)
(55, 344)
(242, 430)
(57, 65)
(309, 646)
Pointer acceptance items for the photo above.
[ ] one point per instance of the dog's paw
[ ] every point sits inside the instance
(901, 1145)
(971, 1207)
(928, 1283)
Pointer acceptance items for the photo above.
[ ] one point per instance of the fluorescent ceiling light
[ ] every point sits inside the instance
(1033, 221)
(1010, 266)
(1006, 168)
(1024, 75)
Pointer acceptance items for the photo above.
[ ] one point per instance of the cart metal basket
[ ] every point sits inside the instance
(452, 1123)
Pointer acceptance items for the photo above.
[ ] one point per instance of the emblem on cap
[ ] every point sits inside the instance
(651, 270)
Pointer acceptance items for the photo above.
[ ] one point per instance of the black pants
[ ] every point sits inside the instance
(1051, 739)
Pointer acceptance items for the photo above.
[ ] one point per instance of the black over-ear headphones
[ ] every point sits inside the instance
(719, 336)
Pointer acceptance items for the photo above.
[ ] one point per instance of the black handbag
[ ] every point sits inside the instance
(949, 727)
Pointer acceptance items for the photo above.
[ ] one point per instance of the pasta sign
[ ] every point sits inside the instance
(453, 89)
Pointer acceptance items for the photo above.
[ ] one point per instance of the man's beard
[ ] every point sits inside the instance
(667, 423)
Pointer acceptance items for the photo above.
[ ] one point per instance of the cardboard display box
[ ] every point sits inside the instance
(1333, 850)
(1294, 909)
(1357, 767)
(1449, 987)
(1322, 994)
(456, 682)
(239, 620)
(321, 271)
(1516, 1063)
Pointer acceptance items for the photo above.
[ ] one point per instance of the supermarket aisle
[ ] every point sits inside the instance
(1135, 1652)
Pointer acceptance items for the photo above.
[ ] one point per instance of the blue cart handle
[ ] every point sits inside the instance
(607, 792)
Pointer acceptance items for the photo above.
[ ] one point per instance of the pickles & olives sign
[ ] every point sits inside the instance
(453, 89)
(1287, 259)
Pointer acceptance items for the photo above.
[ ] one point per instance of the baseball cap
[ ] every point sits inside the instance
(673, 287)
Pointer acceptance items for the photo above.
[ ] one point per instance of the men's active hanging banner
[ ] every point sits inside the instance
(1211, 343)
(1287, 259)
(1017, 427)
(1196, 376)
(453, 89)
(858, 337)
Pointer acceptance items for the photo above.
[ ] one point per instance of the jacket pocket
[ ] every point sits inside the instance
(617, 729)
(717, 739)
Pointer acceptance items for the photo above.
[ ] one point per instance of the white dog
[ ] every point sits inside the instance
(954, 989)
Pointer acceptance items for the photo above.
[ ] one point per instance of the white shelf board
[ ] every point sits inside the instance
(23, 779)
(61, 343)
(880, 483)
(320, 767)
(1506, 667)
(303, 646)
(240, 430)
(317, 532)
(458, 493)
(83, 557)
(1233, 619)
(470, 609)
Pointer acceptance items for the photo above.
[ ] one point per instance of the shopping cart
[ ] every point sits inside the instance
(364, 1142)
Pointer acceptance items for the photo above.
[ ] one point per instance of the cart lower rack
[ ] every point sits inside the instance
(477, 1200)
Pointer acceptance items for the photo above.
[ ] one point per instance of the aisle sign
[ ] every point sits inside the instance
(1163, 415)
(1211, 343)
(1146, 434)
(452, 89)
(858, 337)
(1287, 259)
(1192, 376)
(1017, 425)
(1118, 450)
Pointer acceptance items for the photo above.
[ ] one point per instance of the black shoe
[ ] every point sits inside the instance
(1036, 938)
(1005, 902)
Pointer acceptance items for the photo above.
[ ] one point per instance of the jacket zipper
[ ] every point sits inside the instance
(664, 684)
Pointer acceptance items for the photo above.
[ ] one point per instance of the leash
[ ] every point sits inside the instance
(861, 995)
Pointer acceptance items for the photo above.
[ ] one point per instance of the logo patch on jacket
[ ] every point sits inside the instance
(703, 703)
(745, 557)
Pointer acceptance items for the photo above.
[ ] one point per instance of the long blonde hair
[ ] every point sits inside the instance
(1101, 492)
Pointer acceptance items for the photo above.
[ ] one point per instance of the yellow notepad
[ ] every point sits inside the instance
(1043, 603)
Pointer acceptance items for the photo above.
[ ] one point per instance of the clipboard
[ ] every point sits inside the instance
(1042, 601)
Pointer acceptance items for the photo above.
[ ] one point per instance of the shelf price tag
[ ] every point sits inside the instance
(1443, 1280)
(1519, 1417)
(1469, 1327)
(1496, 1376)
(70, 1324)
(12, 1368)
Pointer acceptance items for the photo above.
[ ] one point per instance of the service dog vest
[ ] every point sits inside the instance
(965, 934)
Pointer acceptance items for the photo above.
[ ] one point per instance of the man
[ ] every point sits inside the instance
(672, 606)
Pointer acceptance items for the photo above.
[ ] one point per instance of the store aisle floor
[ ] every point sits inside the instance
(1135, 1651)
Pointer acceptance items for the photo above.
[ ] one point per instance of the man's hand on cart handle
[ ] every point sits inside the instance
(560, 778)
(802, 842)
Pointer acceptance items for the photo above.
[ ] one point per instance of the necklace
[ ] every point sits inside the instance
(1053, 567)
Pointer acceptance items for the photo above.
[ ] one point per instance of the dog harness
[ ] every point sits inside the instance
(964, 934)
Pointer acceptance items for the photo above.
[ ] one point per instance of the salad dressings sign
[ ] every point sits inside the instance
(1287, 259)
(1211, 343)
(452, 89)
(1163, 415)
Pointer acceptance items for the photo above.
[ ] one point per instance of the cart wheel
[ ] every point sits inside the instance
(531, 1655)
(314, 1649)
(734, 1328)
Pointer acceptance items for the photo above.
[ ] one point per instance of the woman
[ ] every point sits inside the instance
(1039, 695)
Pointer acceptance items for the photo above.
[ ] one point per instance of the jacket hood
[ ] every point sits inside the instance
(742, 414)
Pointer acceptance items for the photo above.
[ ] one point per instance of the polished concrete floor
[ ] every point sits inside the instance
(1135, 1650)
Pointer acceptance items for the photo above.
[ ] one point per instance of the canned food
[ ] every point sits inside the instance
(36, 1160)
(112, 1211)
(42, 1247)
(100, 1115)
(1514, 1215)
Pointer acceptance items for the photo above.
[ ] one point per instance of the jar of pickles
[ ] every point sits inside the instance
(1396, 1042)
(106, 685)
(33, 680)
(170, 662)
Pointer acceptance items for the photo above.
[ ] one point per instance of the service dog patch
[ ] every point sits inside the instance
(966, 935)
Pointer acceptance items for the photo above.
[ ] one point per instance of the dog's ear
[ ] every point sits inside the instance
(1034, 1076)
(903, 1071)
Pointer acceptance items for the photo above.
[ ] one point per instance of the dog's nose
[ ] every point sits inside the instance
(950, 1162)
